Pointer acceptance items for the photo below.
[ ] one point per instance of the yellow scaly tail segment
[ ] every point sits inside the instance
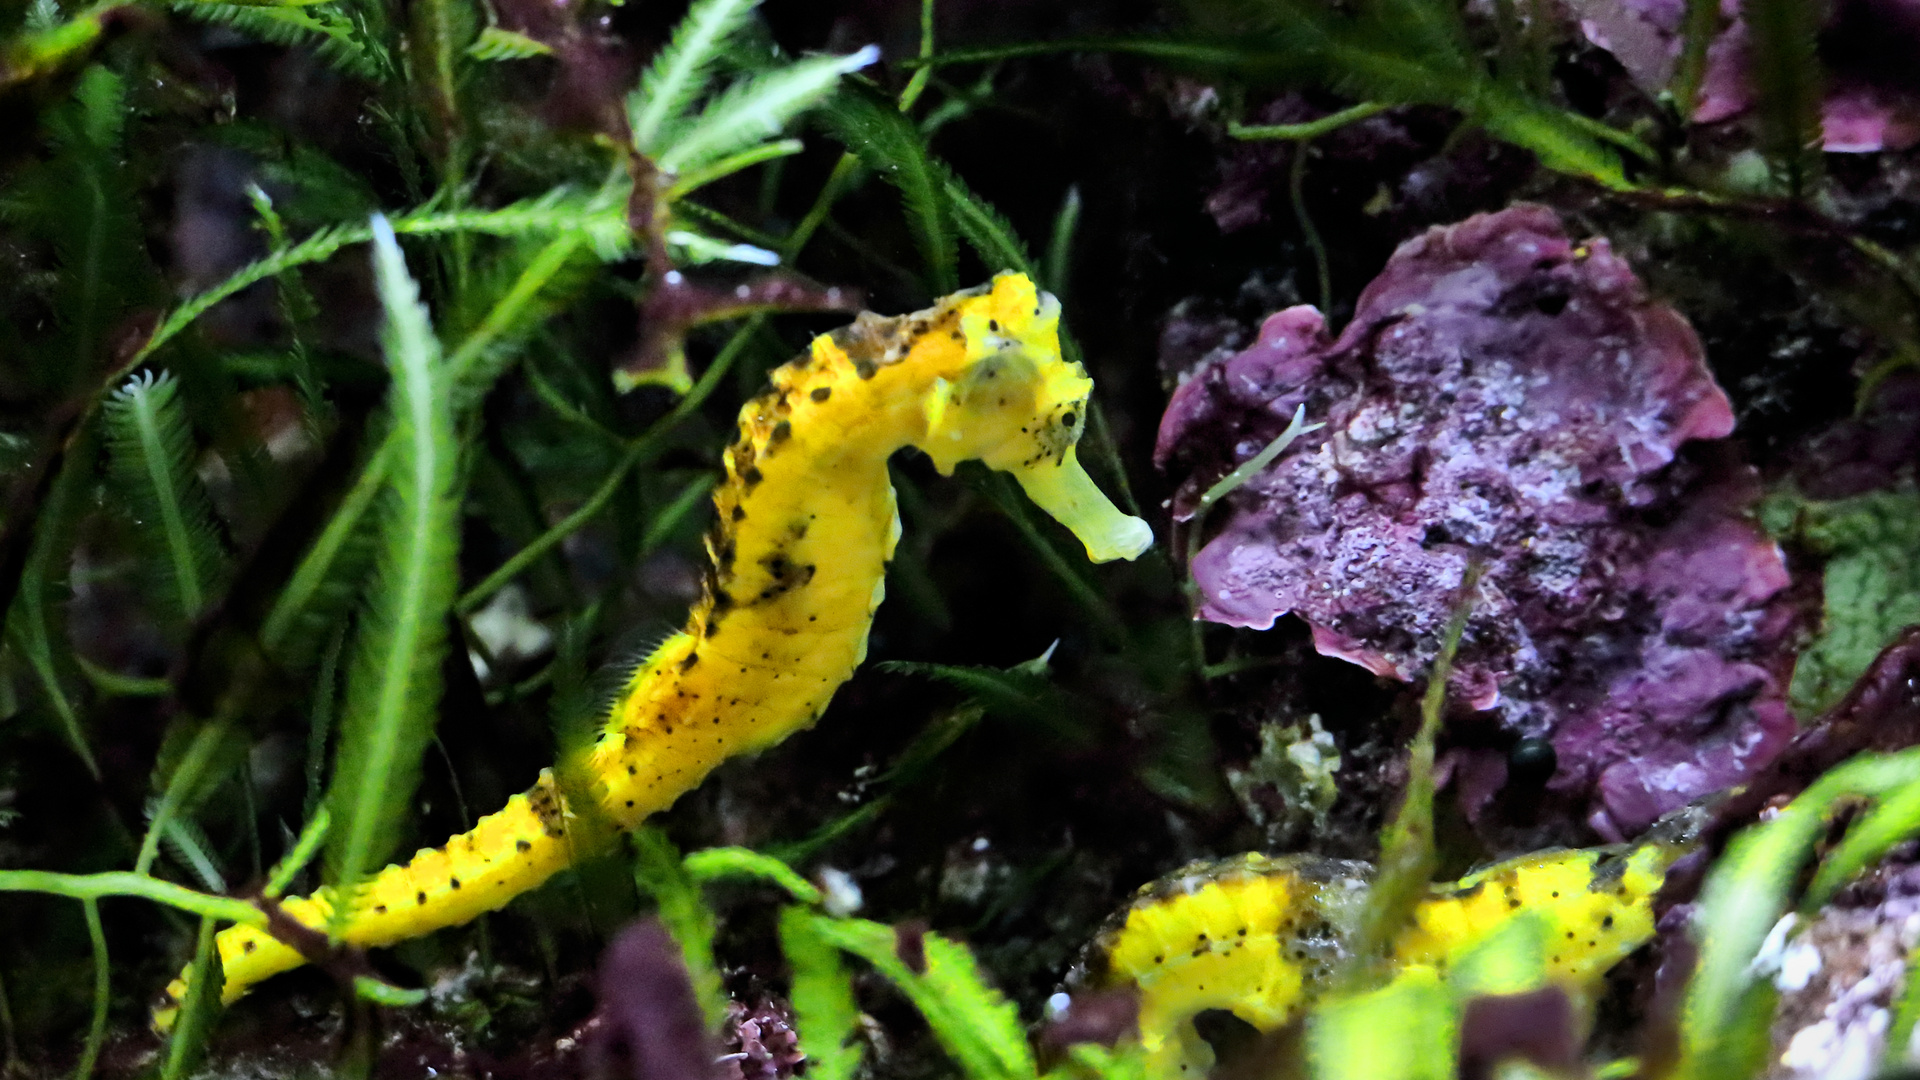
(1264, 937)
(805, 527)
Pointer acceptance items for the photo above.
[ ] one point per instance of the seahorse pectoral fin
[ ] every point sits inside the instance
(1065, 491)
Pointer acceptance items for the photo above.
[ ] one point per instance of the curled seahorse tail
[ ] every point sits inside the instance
(505, 854)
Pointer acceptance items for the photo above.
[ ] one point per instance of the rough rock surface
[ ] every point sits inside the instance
(1506, 396)
(1839, 977)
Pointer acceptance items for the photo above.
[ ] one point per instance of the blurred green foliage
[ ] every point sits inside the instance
(1870, 583)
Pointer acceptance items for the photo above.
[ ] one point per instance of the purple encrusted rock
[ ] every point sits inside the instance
(760, 1042)
(1872, 100)
(1507, 396)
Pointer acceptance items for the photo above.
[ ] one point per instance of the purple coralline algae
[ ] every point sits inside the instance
(1507, 397)
(1872, 102)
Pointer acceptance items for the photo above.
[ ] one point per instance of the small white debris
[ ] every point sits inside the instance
(1798, 965)
(840, 893)
(1766, 962)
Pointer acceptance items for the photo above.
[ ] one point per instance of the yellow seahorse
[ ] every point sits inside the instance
(806, 525)
(1263, 937)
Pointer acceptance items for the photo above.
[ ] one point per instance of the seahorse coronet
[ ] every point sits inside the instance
(804, 526)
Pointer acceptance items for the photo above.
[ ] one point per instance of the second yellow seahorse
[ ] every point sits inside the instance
(806, 524)
(1265, 937)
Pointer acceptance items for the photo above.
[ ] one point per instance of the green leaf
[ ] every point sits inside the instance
(495, 44)
(190, 763)
(127, 883)
(1906, 1014)
(393, 685)
(1728, 1002)
(33, 626)
(1510, 960)
(600, 219)
(46, 45)
(1871, 583)
(1554, 136)
(332, 570)
(682, 69)
(152, 454)
(727, 166)
(757, 108)
(825, 1014)
(368, 988)
(658, 871)
(728, 863)
(191, 849)
(1059, 260)
(1406, 1030)
(891, 145)
(1698, 28)
(1407, 851)
(188, 1041)
(102, 988)
(696, 249)
(989, 234)
(1785, 68)
(979, 1029)
(330, 577)
(1022, 691)
(321, 26)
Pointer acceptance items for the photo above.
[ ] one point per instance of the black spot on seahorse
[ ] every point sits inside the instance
(820, 393)
(751, 477)
(865, 368)
(786, 575)
(523, 846)
(781, 432)
(692, 659)
(739, 513)
(544, 801)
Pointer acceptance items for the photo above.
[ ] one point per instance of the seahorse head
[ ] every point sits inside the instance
(1015, 403)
